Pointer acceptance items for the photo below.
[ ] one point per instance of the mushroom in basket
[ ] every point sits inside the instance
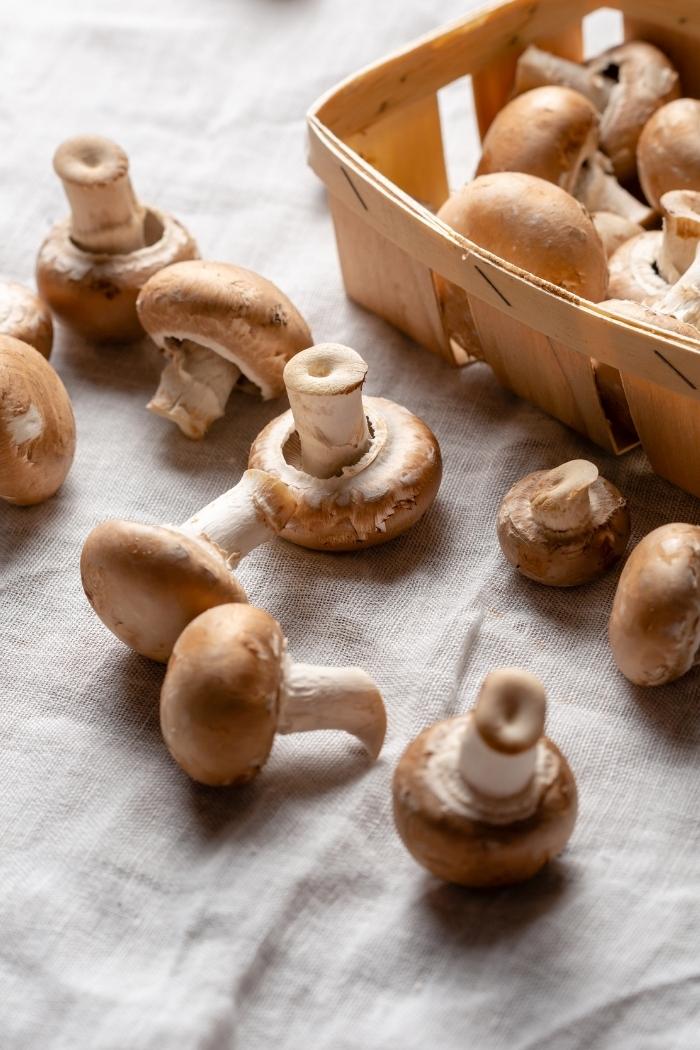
(668, 153)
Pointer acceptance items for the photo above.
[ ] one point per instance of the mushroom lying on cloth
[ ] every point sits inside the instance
(627, 84)
(485, 799)
(361, 469)
(37, 428)
(552, 132)
(668, 153)
(24, 316)
(654, 627)
(146, 582)
(217, 322)
(230, 686)
(92, 265)
(565, 526)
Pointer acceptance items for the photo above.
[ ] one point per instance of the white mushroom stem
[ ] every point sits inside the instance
(538, 68)
(682, 301)
(563, 502)
(194, 387)
(614, 230)
(342, 698)
(248, 515)
(106, 217)
(324, 385)
(681, 235)
(493, 773)
(598, 190)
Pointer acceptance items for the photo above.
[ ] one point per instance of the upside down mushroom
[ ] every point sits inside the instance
(93, 264)
(361, 469)
(230, 687)
(216, 323)
(24, 316)
(485, 799)
(147, 582)
(565, 526)
(37, 428)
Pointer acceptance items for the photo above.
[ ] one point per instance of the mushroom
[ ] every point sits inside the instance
(565, 526)
(216, 322)
(627, 84)
(146, 582)
(37, 428)
(485, 799)
(92, 265)
(24, 316)
(654, 626)
(230, 686)
(614, 230)
(362, 469)
(560, 145)
(668, 153)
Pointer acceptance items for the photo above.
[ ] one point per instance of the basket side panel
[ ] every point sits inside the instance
(386, 280)
(669, 428)
(680, 47)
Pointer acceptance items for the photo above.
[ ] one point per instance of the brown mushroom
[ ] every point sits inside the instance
(146, 582)
(361, 469)
(485, 799)
(669, 150)
(537, 68)
(565, 526)
(24, 316)
(654, 626)
(92, 265)
(217, 322)
(37, 428)
(230, 687)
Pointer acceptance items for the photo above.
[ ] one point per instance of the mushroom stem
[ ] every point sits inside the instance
(491, 773)
(251, 513)
(683, 300)
(194, 387)
(681, 233)
(538, 68)
(324, 385)
(344, 698)
(106, 217)
(598, 190)
(563, 503)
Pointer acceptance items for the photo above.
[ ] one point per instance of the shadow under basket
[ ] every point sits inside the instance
(376, 143)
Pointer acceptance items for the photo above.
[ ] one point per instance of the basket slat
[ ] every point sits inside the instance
(669, 429)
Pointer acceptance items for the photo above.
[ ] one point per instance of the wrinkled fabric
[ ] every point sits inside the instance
(139, 910)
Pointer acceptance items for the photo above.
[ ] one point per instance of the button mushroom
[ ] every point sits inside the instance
(654, 627)
(230, 687)
(24, 316)
(560, 146)
(217, 322)
(146, 582)
(92, 265)
(669, 150)
(362, 469)
(37, 429)
(485, 799)
(565, 526)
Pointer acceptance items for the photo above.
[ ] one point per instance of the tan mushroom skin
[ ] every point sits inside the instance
(485, 799)
(92, 265)
(24, 316)
(654, 626)
(37, 428)
(563, 527)
(669, 150)
(230, 687)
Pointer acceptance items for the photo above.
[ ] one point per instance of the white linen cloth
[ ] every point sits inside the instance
(140, 911)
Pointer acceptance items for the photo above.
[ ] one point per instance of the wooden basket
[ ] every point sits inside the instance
(376, 143)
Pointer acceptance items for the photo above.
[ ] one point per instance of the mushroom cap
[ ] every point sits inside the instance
(548, 132)
(37, 428)
(614, 231)
(669, 150)
(647, 314)
(232, 311)
(634, 273)
(654, 628)
(646, 80)
(147, 582)
(368, 503)
(219, 701)
(95, 293)
(24, 316)
(534, 225)
(445, 835)
(562, 559)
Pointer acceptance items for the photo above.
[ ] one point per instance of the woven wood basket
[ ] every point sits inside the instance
(376, 143)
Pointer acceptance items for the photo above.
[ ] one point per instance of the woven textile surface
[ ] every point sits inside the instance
(140, 911)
